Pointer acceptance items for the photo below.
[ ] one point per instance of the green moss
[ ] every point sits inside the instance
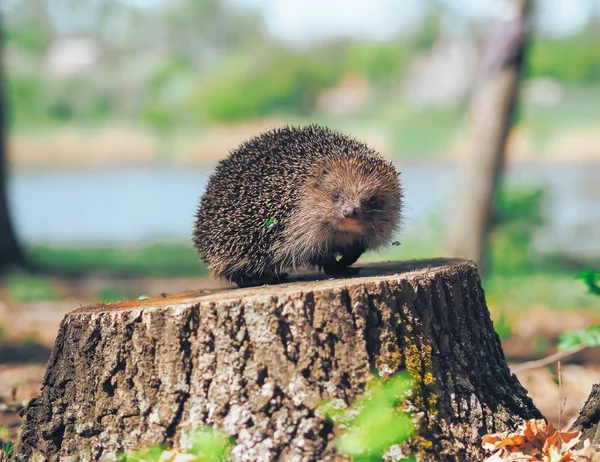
(422, 443)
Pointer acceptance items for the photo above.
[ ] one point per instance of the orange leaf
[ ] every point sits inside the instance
(512, 440)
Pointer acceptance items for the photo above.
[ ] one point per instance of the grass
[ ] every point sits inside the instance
(510, 293)
(157, 260)
(508, 288)
(426, 132)
(113, 294)
(23, 288)
(507, 292)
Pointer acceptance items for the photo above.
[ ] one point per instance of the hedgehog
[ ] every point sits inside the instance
(296, 197)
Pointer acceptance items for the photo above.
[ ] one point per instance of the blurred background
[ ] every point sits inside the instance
(117, 111)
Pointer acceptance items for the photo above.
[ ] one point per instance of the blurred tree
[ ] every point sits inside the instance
(281, 82)
(28, 26)
(10, 251)
(378, 61)
(492, 114)
(431, 26)
(205, 31)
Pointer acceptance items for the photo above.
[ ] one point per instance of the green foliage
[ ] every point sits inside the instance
(522, 206)
(30, 342)
(519, 213)
(519, 291)
(4, 432)
(217, 63)
(113, 294)
(24, 288)
(283, 83)
(202, 445)
(429, 31)
(166, 94)
(572, 60)
(26, 29)
(151, 454)
(375, 421)
(209, 444)
(540, 345)
(503, 328)
(170, 260)
(8, 447)
(26, 97)
(81, 98)
(35, 101)
(592, 280)
(377, 61)
(424, 131)
(590, 336)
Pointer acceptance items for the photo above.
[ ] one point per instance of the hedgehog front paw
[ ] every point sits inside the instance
(332, 267)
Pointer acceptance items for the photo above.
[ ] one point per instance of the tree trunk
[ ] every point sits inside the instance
(492, 114)
(10, 251)
(257, 362)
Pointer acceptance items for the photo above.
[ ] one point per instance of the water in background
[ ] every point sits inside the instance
(135, 206)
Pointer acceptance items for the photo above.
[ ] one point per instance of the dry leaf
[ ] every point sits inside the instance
(489, 441)
(535, 440)
(587, 453)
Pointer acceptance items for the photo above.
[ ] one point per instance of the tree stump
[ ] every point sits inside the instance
(589, 419)
(257, 362)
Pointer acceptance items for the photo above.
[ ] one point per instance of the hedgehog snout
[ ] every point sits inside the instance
(350, 211)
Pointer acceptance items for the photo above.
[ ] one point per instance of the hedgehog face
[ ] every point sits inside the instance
(351, 209)
(357, 196)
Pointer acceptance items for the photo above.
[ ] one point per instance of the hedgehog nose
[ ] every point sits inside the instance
(350, 212)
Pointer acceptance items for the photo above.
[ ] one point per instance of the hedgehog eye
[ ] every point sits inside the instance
(374, 202)
(336, 195)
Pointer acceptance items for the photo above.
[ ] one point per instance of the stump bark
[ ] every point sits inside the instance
(588, 420)
(258, 362)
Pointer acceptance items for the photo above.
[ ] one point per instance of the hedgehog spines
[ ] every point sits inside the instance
(268, 207)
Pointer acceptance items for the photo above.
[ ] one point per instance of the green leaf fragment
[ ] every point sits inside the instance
(591, 279)
(590, 337)
(8, 447)
(271, 222)
(373, 423)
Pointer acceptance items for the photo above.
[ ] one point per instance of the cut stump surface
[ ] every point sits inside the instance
(257, 363)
